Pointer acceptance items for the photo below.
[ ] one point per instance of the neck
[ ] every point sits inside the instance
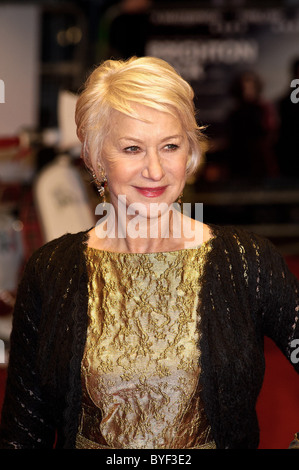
(169, 231)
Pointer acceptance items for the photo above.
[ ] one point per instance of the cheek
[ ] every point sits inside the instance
(119, 173)
(179, 168)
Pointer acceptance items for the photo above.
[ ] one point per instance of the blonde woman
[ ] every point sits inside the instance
(145, 332)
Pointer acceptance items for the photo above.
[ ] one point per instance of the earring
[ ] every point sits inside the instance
(101, 185)
(180, 198)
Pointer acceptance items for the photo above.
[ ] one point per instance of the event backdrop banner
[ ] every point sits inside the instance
(211, 46)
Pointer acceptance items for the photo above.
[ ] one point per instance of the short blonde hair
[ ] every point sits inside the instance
(116, 85)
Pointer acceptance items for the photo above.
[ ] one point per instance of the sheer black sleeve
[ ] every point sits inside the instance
(280, 289)
(26, 420)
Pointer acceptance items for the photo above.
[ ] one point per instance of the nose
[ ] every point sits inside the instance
(152, 167)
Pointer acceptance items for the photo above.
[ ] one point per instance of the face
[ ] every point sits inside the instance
(145, 161)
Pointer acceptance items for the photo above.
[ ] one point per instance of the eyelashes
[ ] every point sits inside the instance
(134, 149)
(172, 147)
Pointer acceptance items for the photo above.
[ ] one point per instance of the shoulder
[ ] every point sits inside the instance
(60, 251)
(239, 243)
(237, 235)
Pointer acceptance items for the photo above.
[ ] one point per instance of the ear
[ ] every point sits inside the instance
(189, 159)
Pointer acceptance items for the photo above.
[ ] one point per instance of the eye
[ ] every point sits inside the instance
(171, 147)
(132, 149)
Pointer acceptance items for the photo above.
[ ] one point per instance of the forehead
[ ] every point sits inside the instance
(145, 119)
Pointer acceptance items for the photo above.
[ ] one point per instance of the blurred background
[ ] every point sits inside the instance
(241, 58)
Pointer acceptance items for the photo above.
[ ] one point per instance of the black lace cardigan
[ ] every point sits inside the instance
(247, 292)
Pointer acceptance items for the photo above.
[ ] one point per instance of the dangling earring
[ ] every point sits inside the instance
(180, 198)
(101, 185)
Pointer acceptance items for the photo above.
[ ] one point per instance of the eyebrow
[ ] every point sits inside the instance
(163, 140)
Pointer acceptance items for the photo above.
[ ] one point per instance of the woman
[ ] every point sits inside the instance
(148, 334)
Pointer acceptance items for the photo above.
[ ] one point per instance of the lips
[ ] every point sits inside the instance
(151, 192)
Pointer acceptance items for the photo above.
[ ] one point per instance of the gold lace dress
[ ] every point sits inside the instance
(140, 367)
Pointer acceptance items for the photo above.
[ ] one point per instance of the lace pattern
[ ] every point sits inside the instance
(141, 363)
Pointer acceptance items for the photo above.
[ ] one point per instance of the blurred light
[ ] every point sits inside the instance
(74, 34)
(17, 225)
(71, 36)
(61, 39)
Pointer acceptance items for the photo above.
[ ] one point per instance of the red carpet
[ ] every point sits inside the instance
(278, 404)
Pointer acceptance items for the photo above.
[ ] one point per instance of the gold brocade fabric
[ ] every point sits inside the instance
(140, 367)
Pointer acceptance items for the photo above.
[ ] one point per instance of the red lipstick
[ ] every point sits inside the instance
(151, 192)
